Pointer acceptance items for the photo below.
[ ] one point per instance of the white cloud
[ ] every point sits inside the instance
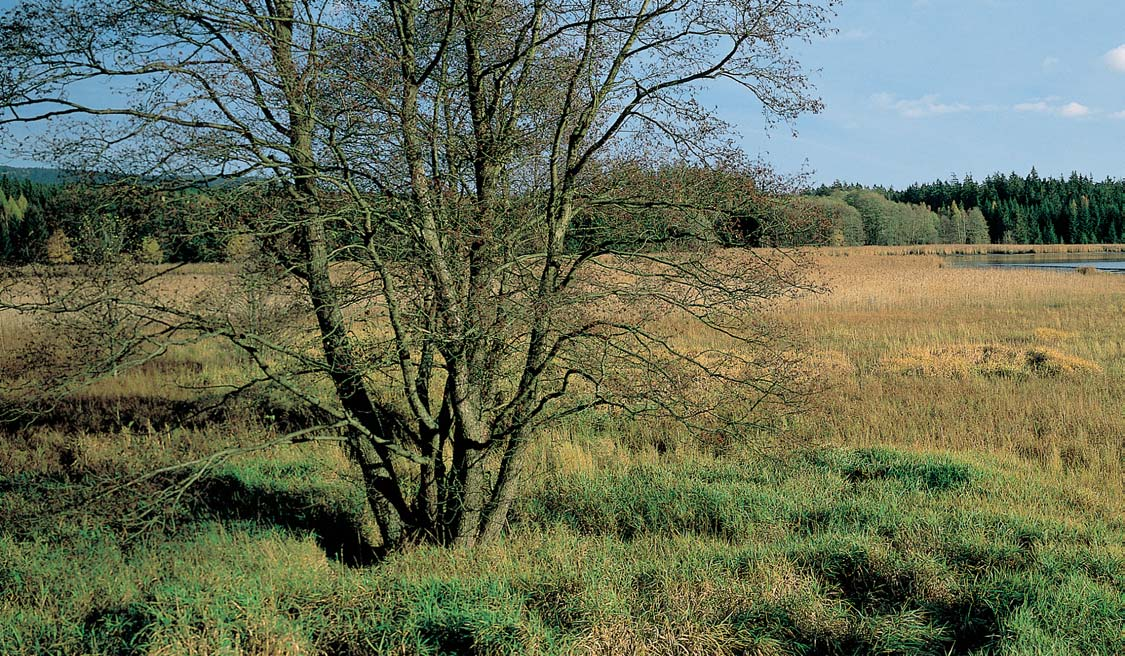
(1053, 107)
(1115, 58)
(1039, 106)
(1050, 64)
(1074, 110)
(1118, 115)
(924, 107)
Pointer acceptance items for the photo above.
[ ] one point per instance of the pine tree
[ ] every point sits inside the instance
(1070, 220)
(30, 243)
(1021, 231)
(1085, 221)
(5, 229)
(1048, 234)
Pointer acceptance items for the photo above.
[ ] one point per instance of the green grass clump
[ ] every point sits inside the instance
(834, 551)
(927, 473)
(882, 552)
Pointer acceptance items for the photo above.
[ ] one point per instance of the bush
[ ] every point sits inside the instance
(150, 251)
(241, 248)
(59, 250)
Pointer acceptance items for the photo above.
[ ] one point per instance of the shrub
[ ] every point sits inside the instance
(59, 250)
(241, 248)
(960, 361)
(150, 251)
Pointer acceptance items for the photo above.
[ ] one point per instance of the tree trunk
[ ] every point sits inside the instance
(507, 487)
(384, 491)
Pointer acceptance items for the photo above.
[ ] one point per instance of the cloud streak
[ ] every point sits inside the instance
(926, 106)
(1039, 106)
(1051, 106)
(931, 105)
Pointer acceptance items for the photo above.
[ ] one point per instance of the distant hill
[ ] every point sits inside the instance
(37, 174)
(55, 176)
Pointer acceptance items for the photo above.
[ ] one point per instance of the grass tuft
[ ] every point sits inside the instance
(988, 360)
(927, 473)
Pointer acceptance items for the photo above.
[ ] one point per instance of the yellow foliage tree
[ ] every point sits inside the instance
(59, 250)
(150, 251)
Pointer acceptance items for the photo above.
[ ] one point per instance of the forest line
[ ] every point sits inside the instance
(48, 219)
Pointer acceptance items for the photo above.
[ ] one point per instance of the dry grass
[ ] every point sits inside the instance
(965, 360)
(1025, 363)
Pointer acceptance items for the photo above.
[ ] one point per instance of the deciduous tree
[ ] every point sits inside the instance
(429, 162)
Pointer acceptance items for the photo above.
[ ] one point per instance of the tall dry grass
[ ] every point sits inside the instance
(1025, 363)
(912, 352)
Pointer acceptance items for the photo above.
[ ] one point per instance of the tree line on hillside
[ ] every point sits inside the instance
(664, 208)
(40, 175)
(858, 217)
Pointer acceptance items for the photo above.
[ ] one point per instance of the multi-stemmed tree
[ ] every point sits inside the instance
(449, 182)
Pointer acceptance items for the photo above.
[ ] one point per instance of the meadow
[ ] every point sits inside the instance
(954, 486)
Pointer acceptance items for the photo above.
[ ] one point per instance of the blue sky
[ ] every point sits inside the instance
(922, 89)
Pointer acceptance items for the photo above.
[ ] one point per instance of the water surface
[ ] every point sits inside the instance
(1110, 262)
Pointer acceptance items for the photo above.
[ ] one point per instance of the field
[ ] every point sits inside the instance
(955, 486)
(904, 338)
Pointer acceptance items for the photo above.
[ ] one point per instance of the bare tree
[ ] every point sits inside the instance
(454, 195)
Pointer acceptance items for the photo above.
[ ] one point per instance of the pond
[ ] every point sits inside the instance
(1109, 262)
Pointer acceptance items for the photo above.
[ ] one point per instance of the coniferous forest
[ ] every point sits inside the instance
(1023, 210)
(24, 206)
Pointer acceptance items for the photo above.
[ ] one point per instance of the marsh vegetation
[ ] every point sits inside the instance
(955, 487)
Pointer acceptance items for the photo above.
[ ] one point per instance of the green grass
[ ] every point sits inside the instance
(835, 551)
